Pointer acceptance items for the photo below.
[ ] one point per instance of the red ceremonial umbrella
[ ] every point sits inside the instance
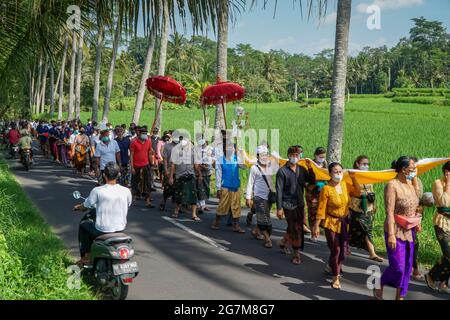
(165, 89)
(221, 93)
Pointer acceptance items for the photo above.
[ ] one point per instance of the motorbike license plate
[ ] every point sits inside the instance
(127, 267)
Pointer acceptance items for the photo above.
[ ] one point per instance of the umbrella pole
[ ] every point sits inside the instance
(224, 115)
(157, 114)
(204, 122)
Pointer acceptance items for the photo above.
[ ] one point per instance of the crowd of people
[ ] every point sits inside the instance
(345, 212)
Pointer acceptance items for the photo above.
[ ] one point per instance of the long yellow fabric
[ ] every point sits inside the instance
(363, 177)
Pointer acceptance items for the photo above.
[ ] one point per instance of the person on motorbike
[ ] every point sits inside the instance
(111, 202)
(25, 142)
(13, 136)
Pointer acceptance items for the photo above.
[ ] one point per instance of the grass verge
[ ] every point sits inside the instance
(33, 261)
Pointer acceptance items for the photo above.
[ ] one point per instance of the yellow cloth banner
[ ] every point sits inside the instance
(363, 177)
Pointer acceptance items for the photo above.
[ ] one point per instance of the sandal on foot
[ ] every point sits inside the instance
(296, 260)
(377, 297)
(285, 250)
(268, 245)
(376, 259)
(196, 219)
(238, 230)
(175, 215)
(215, 226)
(430, 282)
(336, 285)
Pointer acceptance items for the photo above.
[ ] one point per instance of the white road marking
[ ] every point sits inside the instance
(196, 234)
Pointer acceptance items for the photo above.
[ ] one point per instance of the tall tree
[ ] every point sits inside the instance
(72, 76)
(98, 68)
(109, 83)
(145, 74)
(52, 89)
(162, 58)
(222, 56)
(44, 87)
(61, 81)
(78, 80)
(336, 129)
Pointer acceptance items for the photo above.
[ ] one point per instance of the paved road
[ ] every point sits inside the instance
(183, 259)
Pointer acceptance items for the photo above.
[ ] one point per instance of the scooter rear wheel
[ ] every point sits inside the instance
(119, 291)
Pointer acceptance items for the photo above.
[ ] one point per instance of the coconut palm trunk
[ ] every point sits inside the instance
(37, 98)
(78, 80)
(98, 69)
(336, 130)
(61, 81)
(112, 67)
(222, 57)
(44, 87)
(145, 75)
(52, 90)
(72, 77)
(162, 59)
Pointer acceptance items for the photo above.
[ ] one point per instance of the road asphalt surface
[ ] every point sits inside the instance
(186, 260)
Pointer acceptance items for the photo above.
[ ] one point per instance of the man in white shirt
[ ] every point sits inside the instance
(111, 202)
(106, 150)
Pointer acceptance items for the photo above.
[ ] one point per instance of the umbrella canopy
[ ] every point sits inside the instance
(166, 89)
(222, 92)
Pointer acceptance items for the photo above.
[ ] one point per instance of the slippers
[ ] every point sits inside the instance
(268, 245)
(376, 259)
(215, 227)
(296, 260)
(175, 216)
(238, 230)
(419, 277)
(197, 219)
(430, 283)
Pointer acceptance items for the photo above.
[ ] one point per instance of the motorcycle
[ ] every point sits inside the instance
(25, 158)
(111, 265)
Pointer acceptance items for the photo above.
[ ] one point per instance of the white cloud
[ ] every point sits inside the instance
(283, 43)
(390, 4)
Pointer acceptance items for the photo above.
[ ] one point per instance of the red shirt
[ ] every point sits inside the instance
(141, 150)
(14, 136)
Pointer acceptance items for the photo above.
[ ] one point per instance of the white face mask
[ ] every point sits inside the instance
(364, 168)
(320, 160)
(184, 143)
(337, 178)
(201, 142)
(293, 160)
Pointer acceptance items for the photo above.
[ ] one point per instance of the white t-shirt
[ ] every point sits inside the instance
(112, 203)
(106, 153)
(257, 186)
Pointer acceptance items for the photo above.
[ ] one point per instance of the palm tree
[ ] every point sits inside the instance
(336, 130)
(222, 57)
(177, 50)
(109, 83)
(78, 81)
(162, 58)
(72, 76)
(98, 64)
(61, 81)
(145, 75)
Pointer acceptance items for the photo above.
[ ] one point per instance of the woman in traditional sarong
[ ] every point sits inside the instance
(259, 189)
(441, 270)
(332, 215)
(184, 170)
(362, 214)
(313, 190)
(401, 197)
(80, 149)
(203, 160)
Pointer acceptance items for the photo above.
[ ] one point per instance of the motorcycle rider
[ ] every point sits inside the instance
(25, 142)
(111, 202)
(13, 136)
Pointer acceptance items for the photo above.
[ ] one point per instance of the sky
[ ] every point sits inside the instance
(290, 32)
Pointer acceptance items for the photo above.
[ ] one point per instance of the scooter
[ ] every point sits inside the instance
(111, 265)
(25, 158)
